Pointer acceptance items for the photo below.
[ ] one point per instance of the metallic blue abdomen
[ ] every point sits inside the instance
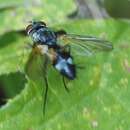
(65, 66)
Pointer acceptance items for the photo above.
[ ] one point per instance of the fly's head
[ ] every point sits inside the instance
(34, 25)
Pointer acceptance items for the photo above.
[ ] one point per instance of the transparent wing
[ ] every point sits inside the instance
(84, 45)
(36, 70)
(34, 67)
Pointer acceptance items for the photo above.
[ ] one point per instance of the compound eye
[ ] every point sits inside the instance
(29, 28)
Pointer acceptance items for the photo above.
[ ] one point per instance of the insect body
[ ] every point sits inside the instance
(61, 60)
(57, 46)
(41, 34)
(64, 64)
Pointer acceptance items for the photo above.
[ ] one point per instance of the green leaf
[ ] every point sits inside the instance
(12, 52)
(22, 12)
(98, 98)
(10, 86)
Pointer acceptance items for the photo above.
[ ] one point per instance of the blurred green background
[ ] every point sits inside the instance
(98, 98)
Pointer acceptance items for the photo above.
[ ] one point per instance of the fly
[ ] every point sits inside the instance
(57, 46)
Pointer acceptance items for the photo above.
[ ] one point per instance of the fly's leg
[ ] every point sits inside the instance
(46, 83)
(45, 95)
(66, 88)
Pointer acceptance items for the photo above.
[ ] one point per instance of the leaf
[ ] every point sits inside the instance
(10, 86)
(12, 52)
(22, 12)
(98, 98)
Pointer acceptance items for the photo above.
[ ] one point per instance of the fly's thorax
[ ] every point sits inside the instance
(64, 64)
(40, 33)
(43, 35)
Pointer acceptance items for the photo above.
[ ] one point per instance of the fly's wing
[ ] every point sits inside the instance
(36, 70)
(84, 45)
(34, 67)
